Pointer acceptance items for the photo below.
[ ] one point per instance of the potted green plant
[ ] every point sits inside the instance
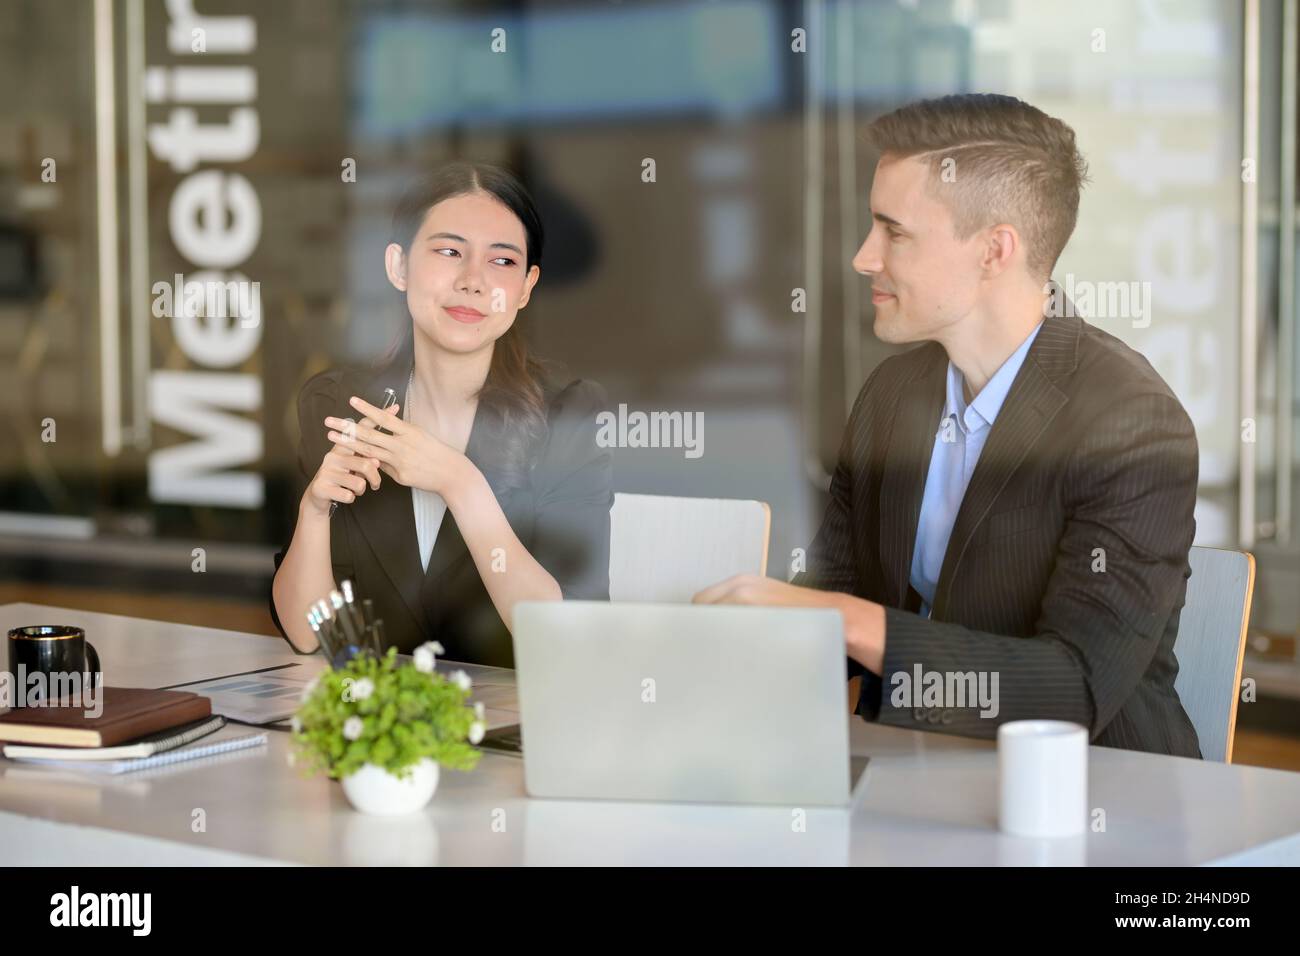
(384, 729)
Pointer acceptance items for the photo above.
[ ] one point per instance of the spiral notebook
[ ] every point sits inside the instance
(146, 746)
(157, 760)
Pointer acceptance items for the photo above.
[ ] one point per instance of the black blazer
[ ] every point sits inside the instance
(1091, 450)
(559, 511)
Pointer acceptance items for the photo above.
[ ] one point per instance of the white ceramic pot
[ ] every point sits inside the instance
(374, 790)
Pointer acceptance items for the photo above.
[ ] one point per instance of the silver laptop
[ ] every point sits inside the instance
(712, 704)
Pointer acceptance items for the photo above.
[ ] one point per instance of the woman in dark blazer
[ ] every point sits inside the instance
(486, 485)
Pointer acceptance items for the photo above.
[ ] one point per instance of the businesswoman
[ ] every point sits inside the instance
(486, 485)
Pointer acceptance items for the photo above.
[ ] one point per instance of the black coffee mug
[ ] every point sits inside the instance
(52, 649)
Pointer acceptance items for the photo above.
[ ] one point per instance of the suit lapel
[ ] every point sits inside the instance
(484, 448)
(387, 516)
(1033, 401)
(907, 462)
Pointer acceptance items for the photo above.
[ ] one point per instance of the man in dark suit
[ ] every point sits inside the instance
(1012, 508)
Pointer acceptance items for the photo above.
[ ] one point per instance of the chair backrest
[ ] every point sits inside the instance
(665, 549)
(1211, 643)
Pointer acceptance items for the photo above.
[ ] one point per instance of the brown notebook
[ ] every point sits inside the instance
(129, 712)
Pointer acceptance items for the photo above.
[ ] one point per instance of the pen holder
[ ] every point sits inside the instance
(345, 627)
(346, 653)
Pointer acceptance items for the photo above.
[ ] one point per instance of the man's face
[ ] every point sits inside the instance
(923, 278)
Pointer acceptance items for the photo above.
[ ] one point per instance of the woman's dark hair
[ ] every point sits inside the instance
(514, 390)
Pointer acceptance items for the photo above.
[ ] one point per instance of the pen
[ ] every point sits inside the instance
(390, 399)
(359, 624)
(314, 619)
(354, 612)
(328, 628)
(351, 639)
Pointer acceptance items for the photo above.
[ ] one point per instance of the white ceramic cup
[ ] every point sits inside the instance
(1042, 778)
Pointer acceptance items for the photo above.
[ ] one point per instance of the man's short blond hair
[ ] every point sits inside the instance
(994, 159)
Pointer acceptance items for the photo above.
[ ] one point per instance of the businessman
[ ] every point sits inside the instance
(1012, 505)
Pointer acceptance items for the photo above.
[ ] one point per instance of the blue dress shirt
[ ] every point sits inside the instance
(957, 446)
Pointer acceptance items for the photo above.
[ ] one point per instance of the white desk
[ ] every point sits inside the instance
(924, 799)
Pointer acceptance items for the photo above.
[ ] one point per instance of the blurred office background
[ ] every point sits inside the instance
(676, 294)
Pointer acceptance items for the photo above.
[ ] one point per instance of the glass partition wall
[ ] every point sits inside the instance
(719, 283)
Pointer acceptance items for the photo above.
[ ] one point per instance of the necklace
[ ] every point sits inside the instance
(406, 402)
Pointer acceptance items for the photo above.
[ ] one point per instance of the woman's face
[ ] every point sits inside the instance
(465, 274)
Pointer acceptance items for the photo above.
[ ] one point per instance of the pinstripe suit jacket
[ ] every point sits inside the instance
(1091, 459)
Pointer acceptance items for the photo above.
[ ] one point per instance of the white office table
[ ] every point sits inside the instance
(925, 798)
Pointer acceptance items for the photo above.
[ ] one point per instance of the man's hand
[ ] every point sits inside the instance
(864, 621)
(756, 589)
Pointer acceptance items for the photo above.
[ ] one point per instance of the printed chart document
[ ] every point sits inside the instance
(269, 696)
(263, 697)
